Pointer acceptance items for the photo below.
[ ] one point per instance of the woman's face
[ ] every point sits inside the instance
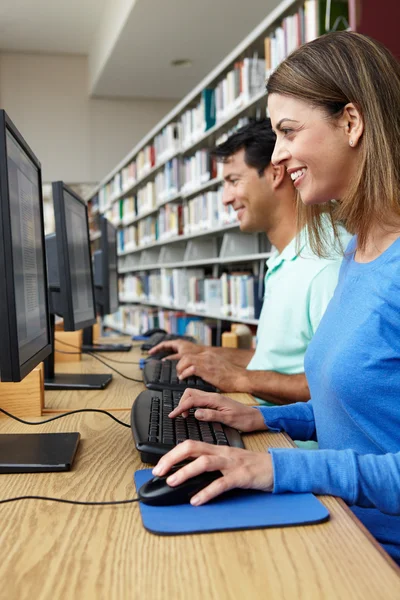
(315, 150)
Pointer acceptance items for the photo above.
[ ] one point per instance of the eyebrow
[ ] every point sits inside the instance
(278, 126)
(231, 175)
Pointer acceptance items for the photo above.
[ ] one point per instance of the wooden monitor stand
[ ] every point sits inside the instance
(25, 398)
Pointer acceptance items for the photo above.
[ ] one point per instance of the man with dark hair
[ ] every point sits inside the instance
(298, 285)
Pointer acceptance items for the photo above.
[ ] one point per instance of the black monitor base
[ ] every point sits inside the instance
(37, 452)
(106, 348)
(76, 381)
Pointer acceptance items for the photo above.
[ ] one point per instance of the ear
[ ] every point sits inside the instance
(277, 175)
(353, 124)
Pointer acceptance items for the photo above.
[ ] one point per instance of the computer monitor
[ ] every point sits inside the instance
(105, 270)
(105, 273)
(70, 278)
(25, 338)
(25, 331)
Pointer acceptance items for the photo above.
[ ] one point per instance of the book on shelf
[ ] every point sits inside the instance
(170, 221)
(197, 170)
(167, 142)
(167, 181)
(303, 26)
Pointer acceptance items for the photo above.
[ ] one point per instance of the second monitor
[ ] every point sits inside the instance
(70, 279)
(105, 272)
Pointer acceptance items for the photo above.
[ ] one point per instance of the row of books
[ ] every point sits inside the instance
(135, 320)
(206, 211)
(168, 181)
(168, 287)
(197, 170)
(242, 83)
(302, 27)
(238, 295)
(201, 213)
(167, 142)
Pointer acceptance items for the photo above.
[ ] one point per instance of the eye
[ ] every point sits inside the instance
(286, 132)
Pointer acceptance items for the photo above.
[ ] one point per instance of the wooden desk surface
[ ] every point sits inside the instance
(119, 394)
(52, 550)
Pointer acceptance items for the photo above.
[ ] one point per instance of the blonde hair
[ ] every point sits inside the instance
(330, 72)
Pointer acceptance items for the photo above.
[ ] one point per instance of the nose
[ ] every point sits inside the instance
(227, 195)
(280, 153)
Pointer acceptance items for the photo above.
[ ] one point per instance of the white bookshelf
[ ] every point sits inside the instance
(212, 247)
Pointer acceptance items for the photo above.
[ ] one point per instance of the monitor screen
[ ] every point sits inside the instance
(27, 251)
(112, 267)
(79, 259)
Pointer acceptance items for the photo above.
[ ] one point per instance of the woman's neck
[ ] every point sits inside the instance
(378, 240)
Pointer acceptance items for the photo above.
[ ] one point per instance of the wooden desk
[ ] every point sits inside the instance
(119, 394)
(51, 550)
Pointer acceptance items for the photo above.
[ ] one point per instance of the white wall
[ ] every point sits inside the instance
(76, 138)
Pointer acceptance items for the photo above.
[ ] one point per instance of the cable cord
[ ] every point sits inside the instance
(121, 362)
(72, 412)
(104, 363)
(80, 502)
(50, 498)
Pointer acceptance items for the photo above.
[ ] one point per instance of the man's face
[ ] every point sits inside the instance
(250, 195)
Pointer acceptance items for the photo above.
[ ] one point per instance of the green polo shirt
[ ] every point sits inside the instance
(298, 288)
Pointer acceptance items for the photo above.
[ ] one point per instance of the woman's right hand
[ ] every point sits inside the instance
(214, 407)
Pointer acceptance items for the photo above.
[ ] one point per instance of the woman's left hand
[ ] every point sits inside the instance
(240, 468)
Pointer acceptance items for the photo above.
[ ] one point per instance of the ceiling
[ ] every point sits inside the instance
(152, 33)
(51, 26)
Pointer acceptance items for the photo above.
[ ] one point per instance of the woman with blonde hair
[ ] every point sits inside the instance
(334, 104)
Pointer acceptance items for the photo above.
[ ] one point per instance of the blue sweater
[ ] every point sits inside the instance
(353, 370)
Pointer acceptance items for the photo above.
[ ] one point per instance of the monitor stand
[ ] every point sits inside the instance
(70, 381)
(89, 346)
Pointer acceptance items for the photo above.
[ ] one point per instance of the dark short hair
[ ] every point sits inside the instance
(256, 139)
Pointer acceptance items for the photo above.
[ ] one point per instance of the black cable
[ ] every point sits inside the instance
(81, 502)
(77, 347)
(102, 361)
(121, 362)
(49, 498)
(72, 412)
(114, 369)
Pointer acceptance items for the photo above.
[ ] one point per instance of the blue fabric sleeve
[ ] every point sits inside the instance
(369, 480)
(296, 419)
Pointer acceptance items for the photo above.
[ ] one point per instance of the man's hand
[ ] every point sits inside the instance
(214, 407)
(240, 468)
(217, 371)
(179, 348)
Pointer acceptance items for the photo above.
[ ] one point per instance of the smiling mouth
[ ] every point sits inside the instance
(298, 176)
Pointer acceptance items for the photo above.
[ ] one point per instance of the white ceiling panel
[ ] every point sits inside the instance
(155, 33)
(51, 26)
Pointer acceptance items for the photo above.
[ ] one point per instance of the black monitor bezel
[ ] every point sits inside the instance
(104, 245)
(11, 369)
(64, 266)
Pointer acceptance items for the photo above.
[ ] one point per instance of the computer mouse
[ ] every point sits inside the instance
(150, 332)
(157, 492)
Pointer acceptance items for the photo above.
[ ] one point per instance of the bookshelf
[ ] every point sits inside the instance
(180, 249)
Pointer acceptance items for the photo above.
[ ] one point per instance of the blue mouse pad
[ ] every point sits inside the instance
(240, 509)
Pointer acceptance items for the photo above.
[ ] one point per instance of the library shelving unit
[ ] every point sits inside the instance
(182, 257)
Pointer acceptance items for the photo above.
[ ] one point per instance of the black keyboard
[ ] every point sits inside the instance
(155, 433)
(159, 375)
(157, 338)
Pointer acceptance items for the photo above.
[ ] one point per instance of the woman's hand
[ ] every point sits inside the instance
(214, 407)
(240, 468)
